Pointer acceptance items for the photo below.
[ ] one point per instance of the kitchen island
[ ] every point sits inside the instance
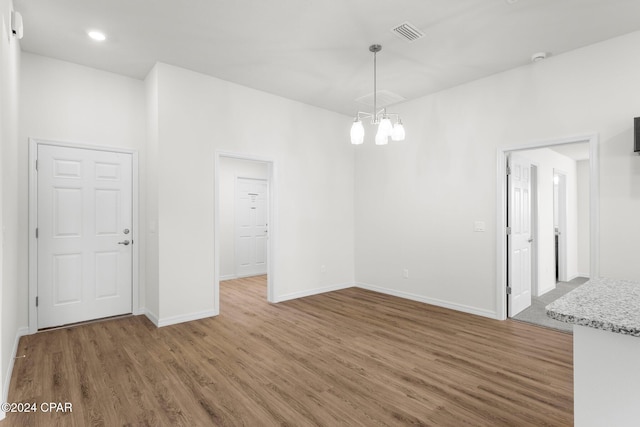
(606, 350)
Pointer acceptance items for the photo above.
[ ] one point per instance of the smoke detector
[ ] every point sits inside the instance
(539, 56)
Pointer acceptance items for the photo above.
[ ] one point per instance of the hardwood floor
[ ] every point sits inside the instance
(351, 357)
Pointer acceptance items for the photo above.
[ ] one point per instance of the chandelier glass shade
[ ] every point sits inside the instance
(386, 129)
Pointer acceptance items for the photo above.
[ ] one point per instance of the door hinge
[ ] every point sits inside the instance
(36, 301)
(36, 164)
(508, 230)
(508, 290)
(36, 232)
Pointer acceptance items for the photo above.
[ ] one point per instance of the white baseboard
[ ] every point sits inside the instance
(152, 316)
(314, 291)
(242, 276)
(7, 379)
(433, 301)
(172, 320)
(239, 276)
(440, 303)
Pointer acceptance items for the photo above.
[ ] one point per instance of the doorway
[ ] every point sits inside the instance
(546, 273)
(244, 220)
(82, 248)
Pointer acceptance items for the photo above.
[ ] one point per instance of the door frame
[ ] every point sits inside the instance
(501, 210)
(562, 224)
(33, 221)
(534, 228)
(273, 223)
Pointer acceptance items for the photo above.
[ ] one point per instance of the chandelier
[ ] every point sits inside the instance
(381, 118)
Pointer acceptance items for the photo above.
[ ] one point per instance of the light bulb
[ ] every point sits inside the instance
(385, 126)
(398, 132)
(381, 138)
(97, 36)
(357, 132)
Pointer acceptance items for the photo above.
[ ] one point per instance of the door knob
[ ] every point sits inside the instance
(530, 240)
(126, 242)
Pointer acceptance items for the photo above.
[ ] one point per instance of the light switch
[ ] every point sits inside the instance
(479, 226)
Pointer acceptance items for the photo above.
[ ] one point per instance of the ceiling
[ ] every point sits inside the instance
(577, 151)
(316, 51)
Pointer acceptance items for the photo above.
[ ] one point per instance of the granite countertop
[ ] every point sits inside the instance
(607, 304)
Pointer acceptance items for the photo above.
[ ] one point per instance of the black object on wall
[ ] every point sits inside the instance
(636, 135)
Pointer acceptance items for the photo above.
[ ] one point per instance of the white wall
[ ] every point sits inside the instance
(170, 119)
(314, 162)
(416, 201)
(582, 173)
(10, 325)
(230, 170)
(547, 161)
(72, 103)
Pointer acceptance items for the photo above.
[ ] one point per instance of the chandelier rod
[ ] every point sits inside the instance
(375, 88)
(375, 48)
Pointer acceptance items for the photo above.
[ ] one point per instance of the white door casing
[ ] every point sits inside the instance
(561, 209)
(534, 230)
(501, 209)
(251, 224)
(519, 237)
(84, 217)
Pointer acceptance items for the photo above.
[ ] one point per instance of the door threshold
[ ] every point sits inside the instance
(86, 322)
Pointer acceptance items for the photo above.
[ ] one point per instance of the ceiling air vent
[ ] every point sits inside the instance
(384, 98)
(408, 32)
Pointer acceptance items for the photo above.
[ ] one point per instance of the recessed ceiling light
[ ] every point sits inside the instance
(97, 36)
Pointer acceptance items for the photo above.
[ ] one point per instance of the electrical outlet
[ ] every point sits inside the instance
(405, 273)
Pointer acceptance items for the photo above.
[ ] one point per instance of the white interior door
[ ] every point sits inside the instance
(519, 239)
(84, 234)
(251, 226)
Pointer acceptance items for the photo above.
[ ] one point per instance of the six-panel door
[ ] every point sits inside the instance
(84, 234)
(251, 227)
(519, 240)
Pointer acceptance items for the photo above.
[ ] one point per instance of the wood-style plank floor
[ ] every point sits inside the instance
(345, 358)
